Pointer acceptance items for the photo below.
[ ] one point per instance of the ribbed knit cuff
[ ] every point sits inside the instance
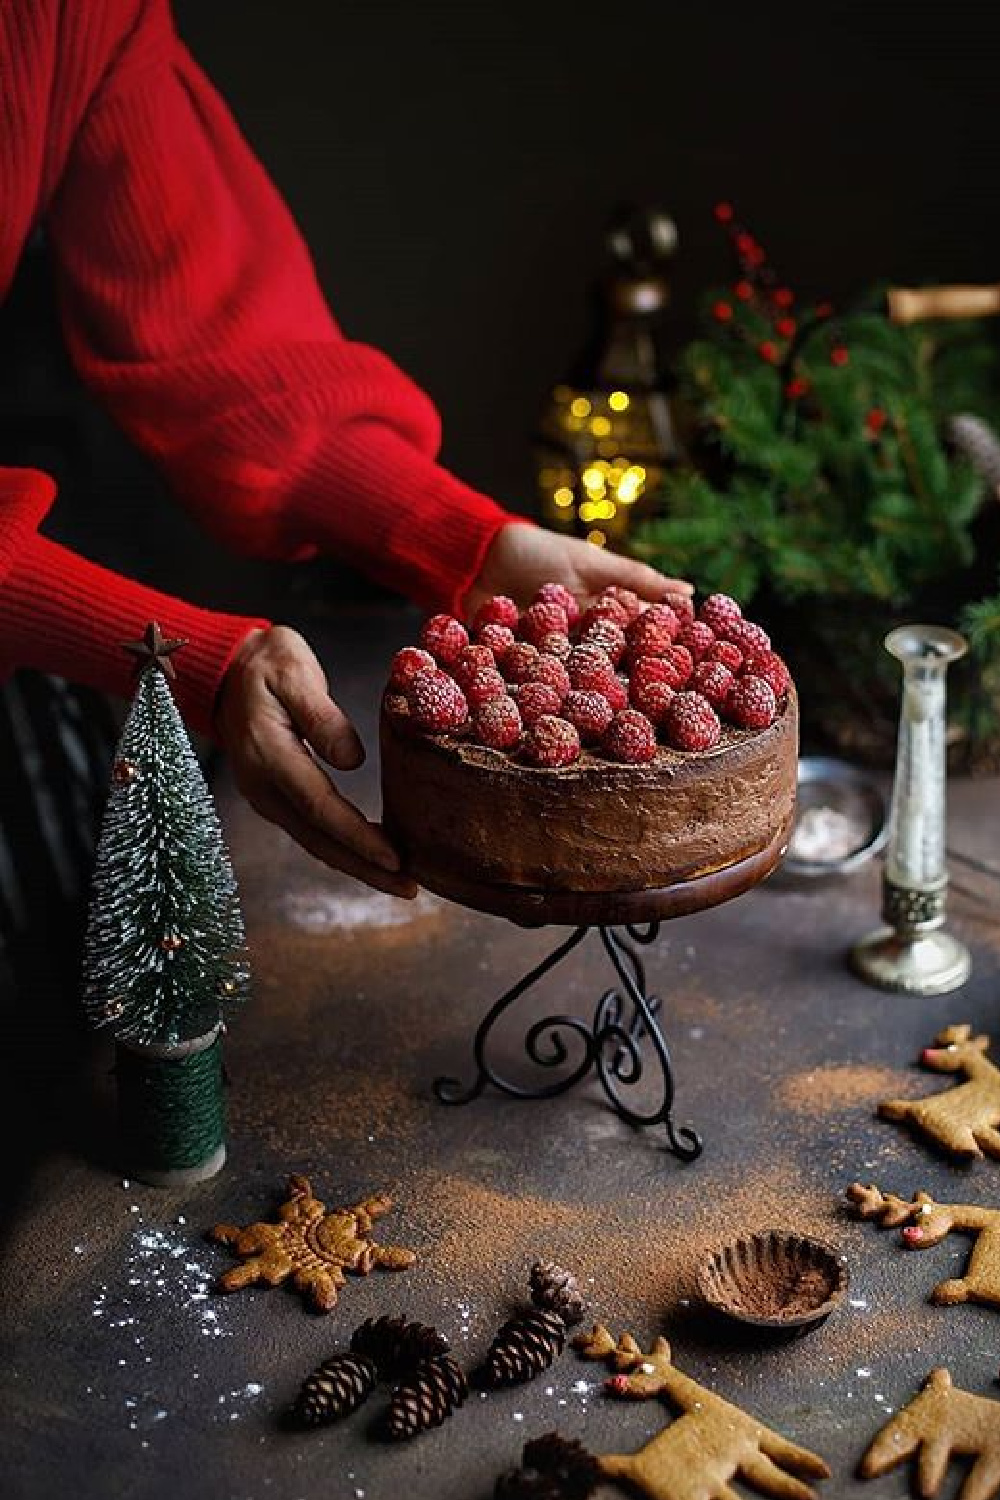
(60, 613)
(409, 524)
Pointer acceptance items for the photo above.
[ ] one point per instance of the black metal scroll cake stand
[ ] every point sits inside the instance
(626, 1015)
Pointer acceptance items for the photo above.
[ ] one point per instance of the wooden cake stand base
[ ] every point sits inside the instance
(626, 1014)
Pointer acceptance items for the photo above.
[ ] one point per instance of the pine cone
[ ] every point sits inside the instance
(552, 1468)
(431, 1392)
(978, 443)
(397, 1345)
(557, 1290)
(334, 1389)
(525, 1346)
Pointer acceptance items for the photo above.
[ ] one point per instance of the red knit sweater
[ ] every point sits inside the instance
(192, 311)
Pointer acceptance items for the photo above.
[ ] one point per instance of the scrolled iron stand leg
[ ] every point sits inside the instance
(625, 1017)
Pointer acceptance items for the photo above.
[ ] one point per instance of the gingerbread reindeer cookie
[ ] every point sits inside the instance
(962, 1121)
(941, 1423)
(925, 1222)
(311, 1246)
(704, 1449)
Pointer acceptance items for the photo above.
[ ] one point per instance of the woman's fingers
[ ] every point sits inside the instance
(301, 688)
(648, 583)
(323, 846)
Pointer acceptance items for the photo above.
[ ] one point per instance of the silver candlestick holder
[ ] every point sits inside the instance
(913, 954)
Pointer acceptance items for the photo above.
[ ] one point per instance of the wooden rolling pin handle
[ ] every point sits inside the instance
(911, 304)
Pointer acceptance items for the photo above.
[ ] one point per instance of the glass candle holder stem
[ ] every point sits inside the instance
(913, 953)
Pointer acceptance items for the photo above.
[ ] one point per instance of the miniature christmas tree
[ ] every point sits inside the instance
(165, 942)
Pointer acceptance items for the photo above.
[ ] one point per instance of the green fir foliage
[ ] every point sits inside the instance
(821, 470)
(162, 874)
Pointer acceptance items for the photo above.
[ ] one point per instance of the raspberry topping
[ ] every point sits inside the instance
(681, 604)
(751, 639)
(540, 620)
(406, 664)
(473, 659)
(604, 607)
(770, 666)
(550, 670)
(714, 682)
(485, 686)
(752, 704)
(555, 644)
(499, 639)
(654, 631)
(536, 699)
(631, 738)
(518, 662)
(589, 713)
(497, 724)
(437, 703)
(606, 634)
(720, 613)
(730, 656)
(552, 742)
(651, 697)
(627, 598)
(692, 723)
(557, 593)
(445, 638)
(697, 637)
(497, 610)
(591, 669)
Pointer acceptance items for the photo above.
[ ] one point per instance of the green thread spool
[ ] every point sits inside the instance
(171, 1109)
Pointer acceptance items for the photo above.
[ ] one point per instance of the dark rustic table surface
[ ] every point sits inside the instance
(123, 1373)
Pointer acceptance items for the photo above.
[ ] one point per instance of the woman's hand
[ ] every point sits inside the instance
(521, 558)
(277, 722)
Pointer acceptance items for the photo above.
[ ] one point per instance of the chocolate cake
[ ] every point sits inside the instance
(597, 838)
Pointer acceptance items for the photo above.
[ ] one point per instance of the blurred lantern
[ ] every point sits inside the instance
(608, 430)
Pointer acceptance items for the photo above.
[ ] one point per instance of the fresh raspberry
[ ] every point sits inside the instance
(730, 656)
(751, 639)
(752, 704)
(497, 610)
(692, 723)
(497, 725)
(536, 699)
(445, 638)
(719, 612)
(697, 637)
(631, 738)
(651, 698)
(550, 670)
(557, 593)
(590, 669)
(474, 659)
(654, 631)
(518, 662)
(437, 702)
(552, 742)
(397, 705)
(681, 604)
(714, 682)
(604, 607)
(606, 634)
(770, 666)
(499, 639)
(627, 598)
(484, 687)
(589, 713)
(555, 644)
(540, 620)
(616, 692)
(650, 669)
(406, 664)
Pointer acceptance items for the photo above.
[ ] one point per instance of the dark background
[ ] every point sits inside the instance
(453, 166)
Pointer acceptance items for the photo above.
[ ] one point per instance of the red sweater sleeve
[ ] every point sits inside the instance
(192, 309)
(62, 614)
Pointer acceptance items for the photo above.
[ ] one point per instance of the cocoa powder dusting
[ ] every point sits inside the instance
(821, 1091)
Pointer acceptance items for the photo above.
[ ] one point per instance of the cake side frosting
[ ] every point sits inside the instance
(461, 812)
